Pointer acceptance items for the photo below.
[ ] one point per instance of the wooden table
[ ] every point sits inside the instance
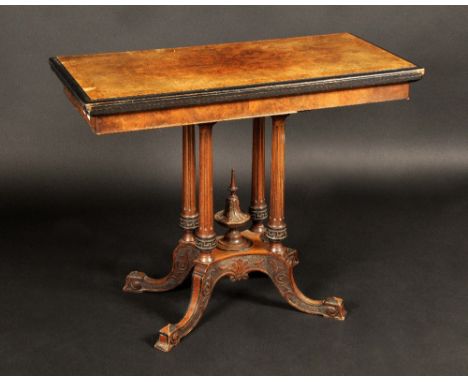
(203, 85)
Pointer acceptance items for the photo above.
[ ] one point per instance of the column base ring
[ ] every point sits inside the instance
(276, 234)
(205, 243)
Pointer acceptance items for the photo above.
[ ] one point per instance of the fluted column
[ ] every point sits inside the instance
(276, 227)
(189, 214)
(205, 239)
(258, 208)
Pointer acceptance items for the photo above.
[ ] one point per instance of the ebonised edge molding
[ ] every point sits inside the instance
(204, 97)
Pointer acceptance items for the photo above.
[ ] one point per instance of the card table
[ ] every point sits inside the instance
(203, 85)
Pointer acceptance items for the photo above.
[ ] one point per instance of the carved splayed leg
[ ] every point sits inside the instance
(205, 276)
(203, 280)
(182, 263)
(280, 271)
(185, 252)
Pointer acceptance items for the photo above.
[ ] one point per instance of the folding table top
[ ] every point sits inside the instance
(145, 80)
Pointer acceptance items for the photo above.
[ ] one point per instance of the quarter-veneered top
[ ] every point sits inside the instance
(109, 83)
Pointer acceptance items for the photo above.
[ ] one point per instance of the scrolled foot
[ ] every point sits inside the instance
(334, 308)
(203, 280)
(134, 282)
(182, 263)
(168, 338)
(280, 271)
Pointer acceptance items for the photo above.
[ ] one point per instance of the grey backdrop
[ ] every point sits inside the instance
(375, 202)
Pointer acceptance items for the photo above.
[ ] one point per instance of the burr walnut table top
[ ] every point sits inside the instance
(157, 84)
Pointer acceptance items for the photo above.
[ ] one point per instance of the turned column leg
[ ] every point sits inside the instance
(276, 227)
(205, 237)
(258, 208)
(189, 214)
(185, 252)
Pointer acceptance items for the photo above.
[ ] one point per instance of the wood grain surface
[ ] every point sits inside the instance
(129, 74)
(110, 83)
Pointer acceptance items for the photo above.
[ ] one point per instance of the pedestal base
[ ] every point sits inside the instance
(237, 265)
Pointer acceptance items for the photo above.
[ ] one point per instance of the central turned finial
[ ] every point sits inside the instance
(233, 218)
